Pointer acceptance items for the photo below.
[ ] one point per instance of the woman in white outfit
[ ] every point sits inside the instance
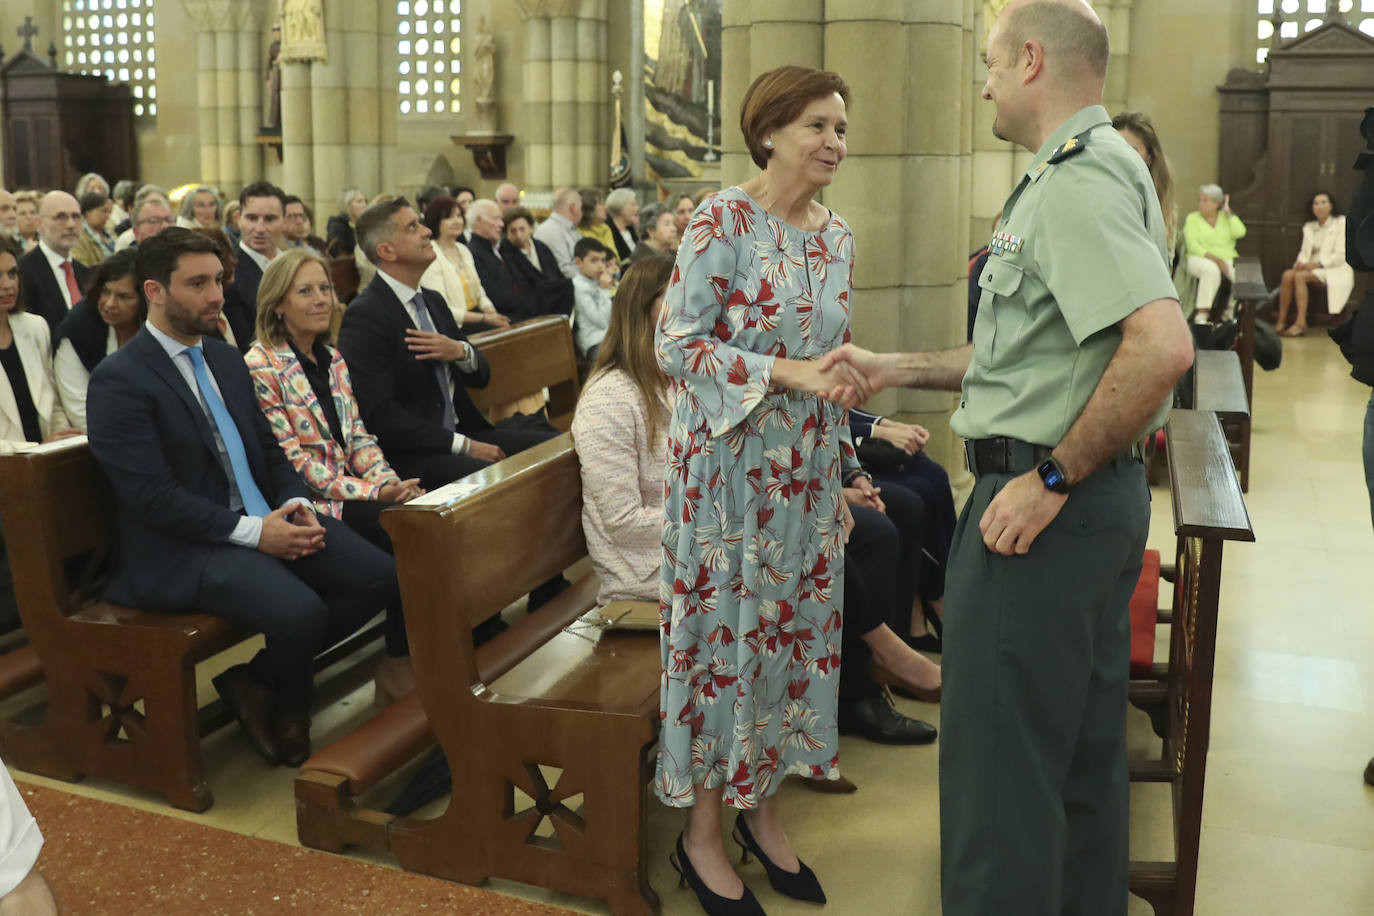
(1321, 261)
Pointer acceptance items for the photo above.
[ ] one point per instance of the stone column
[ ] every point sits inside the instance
(563, 114)
(251, 83)
(537, 67)
(227, 102)
(1116, 16)
(297, 129)
(736, 72)
(363, 167)
(387, 78)
(590, 93)
(207, 101)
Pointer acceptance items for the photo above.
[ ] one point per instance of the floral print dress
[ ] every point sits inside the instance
(753, 534)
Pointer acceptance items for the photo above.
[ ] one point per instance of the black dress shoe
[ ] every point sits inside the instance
(875, 718)
(712, 904)
(799, 885)
(253, 705)
(291, 735)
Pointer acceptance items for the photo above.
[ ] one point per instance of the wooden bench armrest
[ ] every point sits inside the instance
(1207, 501)
(1219, 385)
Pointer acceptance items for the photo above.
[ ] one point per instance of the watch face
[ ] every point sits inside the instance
(1052, 476)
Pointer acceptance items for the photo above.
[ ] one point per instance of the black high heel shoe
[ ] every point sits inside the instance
(933, 640)
(799, 885)
(711, 902)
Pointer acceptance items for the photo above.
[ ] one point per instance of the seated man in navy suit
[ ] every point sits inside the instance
(262, 207)
(411, 364)
(212, 516)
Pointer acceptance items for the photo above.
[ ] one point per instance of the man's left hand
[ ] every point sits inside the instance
(1017, 514)
(433, 345)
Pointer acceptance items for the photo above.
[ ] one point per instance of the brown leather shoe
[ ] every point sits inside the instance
(291, 734)
(1369, 772)
(842, 786)
(903, 687)
(253, 704)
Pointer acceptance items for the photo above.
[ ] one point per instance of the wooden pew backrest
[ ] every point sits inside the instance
(525, 359)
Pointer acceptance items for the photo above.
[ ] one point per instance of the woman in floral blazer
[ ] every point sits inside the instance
(303, 387)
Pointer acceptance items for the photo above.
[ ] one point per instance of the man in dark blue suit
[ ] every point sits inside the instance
(262, 207)
(212, 517)
(411, 364)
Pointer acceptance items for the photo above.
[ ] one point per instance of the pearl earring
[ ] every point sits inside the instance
(767, 144)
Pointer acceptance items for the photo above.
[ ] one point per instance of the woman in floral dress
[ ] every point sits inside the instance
(755, 525)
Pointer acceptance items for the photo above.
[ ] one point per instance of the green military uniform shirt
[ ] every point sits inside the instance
(1081, 245)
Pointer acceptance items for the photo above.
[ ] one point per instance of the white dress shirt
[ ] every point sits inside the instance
(248, 530)
(468, 362)
(261, 260)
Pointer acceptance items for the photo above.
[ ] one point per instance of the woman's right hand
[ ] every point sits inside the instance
(399, 491)
(806, 375)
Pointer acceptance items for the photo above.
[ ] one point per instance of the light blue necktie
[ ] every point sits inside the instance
(253, 501)
(440, 368)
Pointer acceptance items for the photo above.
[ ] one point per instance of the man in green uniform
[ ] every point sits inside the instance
(1077, 345)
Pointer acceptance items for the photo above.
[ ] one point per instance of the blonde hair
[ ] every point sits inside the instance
(274, 288)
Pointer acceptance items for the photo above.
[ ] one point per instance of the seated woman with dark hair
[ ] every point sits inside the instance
(95, 243)
(108, 316)
(1320, 262)
(453, 274)
(303, 387)
(30, 410)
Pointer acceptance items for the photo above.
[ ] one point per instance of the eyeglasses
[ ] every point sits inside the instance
(156, 221)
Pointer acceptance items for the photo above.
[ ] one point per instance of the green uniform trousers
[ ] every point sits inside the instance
(1034, 792)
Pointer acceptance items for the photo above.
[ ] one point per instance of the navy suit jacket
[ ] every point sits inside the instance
(399, 395)
(38, 286)
(241, 300)
(153, 439)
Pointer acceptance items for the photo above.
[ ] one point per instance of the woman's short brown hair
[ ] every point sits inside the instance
(777, 98)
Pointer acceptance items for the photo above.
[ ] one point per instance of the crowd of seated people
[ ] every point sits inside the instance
(314, 416)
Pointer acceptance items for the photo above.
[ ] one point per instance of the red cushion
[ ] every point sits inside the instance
(1144, 611)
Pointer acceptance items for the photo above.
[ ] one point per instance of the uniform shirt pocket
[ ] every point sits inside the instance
(1000, 279)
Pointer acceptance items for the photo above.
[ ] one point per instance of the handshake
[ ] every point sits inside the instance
(847, 376)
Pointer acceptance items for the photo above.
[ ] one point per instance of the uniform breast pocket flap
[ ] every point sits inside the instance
(1000, 277)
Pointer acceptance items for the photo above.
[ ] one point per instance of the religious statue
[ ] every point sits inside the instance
(273, 119)
(303, 30)
(484, 78)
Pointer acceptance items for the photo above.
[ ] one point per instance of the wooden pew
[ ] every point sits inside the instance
(1219, 387)
(547, 727)
(343, 275)
(121, 682)
(1250, 295)
(525, 359)
(1208, 511)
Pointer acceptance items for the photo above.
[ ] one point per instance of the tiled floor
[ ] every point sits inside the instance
(1288, 823)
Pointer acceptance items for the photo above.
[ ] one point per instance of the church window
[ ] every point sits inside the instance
(1297, 17)
(427, 43)
(101, 37)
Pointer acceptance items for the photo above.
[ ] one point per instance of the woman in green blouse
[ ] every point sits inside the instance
(1211, 232)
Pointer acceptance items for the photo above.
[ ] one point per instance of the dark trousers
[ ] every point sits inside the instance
(439, 468)
(1034, 798)
(302, 607)
(365, 517)
(928, 480)
(879, 563)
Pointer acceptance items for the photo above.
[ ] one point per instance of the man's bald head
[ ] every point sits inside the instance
(1074, 39)
(59, 221)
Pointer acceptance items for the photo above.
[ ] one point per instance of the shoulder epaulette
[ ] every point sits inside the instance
(1070, 147)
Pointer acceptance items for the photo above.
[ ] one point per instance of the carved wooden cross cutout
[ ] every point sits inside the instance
(26, 32)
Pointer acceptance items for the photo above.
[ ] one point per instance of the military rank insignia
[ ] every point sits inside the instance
(1005, 243)
(1069, 147)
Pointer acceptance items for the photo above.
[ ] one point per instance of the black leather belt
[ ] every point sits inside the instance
(1003, 455)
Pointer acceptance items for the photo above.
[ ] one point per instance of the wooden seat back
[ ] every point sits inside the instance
(1209, 510)
(343, 275)
(1218, 385)
(525, 359)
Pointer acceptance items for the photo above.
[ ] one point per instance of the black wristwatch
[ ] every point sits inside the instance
(1052, 475)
